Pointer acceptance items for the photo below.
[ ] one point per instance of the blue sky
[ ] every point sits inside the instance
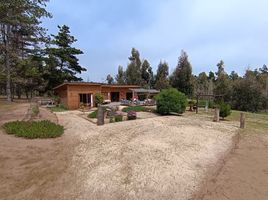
(235, 31)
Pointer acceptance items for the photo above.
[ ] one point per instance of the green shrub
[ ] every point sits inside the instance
(111, 119)
(137, 109)
(34, 129)
(170, 100)
(225, 110)
(99, 99)
(59, 108)
(93, 114)
(35, 110)
(118, 118)
(56, 99)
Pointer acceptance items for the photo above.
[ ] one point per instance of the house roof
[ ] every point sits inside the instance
(143, 90)
(95, 83)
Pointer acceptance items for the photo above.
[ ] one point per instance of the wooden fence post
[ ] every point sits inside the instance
(242, 120)
(216, 115)
(100, 116)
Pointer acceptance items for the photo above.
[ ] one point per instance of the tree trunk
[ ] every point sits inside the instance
(7, 64)
(8, 78)
(27, 94)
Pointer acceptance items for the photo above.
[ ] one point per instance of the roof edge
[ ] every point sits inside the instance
(95, 83)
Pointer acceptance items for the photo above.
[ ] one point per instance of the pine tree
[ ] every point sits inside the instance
(20, 33)
(202, 83)
(222, 83)
(220, 66)
(63, 62)
(120, 77)
(146, 74)
(110, 79)
(182, 75)
(161, 78)
(133, 71)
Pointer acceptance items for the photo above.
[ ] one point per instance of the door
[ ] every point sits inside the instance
(115, 96)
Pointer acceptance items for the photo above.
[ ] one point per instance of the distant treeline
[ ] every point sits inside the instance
(247, 93)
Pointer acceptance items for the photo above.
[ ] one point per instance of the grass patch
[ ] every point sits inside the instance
(92, 114)
(34, 129)
(59, 108)
(256, 121)
(138, 109)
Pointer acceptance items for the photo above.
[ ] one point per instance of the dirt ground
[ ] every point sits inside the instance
(245, 173)
(157, 158)
(26, 165)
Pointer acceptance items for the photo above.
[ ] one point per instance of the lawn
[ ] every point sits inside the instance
(93, 114)
(59, 108)
(138, 109)
(257, 121)
(34, 129)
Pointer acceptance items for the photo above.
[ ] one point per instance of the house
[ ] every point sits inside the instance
(73, 94)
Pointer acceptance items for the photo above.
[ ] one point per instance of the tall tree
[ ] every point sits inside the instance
(161, 78)
(63, 61)
(120, 77)
(233, 76)
(247, 93)
(202, 83)
(222, 84)
(151, 78)
(146, 74)
(220, 66)
(20, 32)
(110, 79)
(211, 76)
(133, 71)
(182, 75)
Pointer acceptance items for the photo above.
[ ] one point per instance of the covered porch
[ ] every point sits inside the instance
(141, 96)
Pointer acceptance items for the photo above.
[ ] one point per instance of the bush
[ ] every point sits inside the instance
(34, 129)
(35, 110)
(56, 99)
(93, 114)
(131, 115)
(225, 110)
(118, 118)
(111, 119)
(170, 100)
(58, 108)
(99, 99)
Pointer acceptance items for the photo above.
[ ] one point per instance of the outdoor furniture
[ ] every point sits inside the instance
(107, 101)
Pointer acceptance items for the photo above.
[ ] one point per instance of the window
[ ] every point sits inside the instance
(85, 98)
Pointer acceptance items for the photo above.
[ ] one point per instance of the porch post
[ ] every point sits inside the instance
(91, 100)
(133, 95)
(109, 96)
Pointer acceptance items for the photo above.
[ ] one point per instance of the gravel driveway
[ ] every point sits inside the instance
(157, 158)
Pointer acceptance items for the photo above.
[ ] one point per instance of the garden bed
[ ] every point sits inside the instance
(34, 129)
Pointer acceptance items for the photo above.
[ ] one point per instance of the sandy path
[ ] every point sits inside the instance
(156, 158)
(28, 166)
(245, 174)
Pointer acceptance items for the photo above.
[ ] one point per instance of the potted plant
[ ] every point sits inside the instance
(131, 115)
